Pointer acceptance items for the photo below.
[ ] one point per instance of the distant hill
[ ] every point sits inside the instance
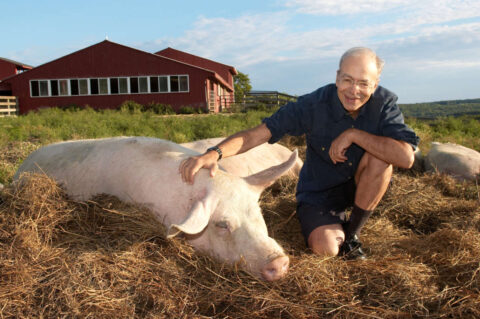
(433, 110)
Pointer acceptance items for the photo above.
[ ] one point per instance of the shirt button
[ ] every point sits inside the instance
(323, 148)
(349, 163)
(353, 126)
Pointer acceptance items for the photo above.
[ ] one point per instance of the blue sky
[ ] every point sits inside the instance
(431, 47)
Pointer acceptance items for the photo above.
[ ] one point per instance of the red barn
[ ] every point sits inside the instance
(10, 67)
(106, 74)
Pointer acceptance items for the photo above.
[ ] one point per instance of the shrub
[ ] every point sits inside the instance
(159, 108)
(131, 107)
(187, 110)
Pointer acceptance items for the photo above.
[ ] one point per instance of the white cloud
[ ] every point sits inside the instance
(335, 7)
(418, 12)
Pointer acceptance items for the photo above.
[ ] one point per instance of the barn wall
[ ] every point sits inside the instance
(7, 69)
(108, 59)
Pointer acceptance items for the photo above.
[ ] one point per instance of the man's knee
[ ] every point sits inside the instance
(374, 166)
(326, 240)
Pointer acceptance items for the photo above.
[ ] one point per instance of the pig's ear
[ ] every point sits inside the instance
(265, 178)
(197, 218)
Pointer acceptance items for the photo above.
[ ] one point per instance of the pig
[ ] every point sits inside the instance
(459, 161)
(220, 216)
(253, 161)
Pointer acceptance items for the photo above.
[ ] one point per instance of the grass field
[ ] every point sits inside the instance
(107, 259)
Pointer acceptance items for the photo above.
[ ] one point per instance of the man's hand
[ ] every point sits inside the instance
(189, 167)
(339, 147)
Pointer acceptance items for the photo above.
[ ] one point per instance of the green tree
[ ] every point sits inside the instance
(242, 85)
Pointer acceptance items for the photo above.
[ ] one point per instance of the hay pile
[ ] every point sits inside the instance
(107, 259)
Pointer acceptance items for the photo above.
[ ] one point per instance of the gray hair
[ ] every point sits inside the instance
(356, 51)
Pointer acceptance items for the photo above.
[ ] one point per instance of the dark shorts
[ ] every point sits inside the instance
(331, 209)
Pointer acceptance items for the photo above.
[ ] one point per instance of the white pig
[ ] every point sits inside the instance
(459, 161)
(253, 161)
(219, 215)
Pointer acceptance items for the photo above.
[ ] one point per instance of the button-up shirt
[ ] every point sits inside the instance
(321, 117)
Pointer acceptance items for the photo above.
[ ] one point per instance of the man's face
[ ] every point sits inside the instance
(356, 81)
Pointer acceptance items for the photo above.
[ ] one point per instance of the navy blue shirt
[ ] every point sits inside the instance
(321, 117)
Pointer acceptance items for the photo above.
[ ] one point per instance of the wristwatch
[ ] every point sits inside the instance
(216, 149)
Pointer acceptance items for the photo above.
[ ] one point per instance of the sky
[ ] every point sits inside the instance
(431, 48)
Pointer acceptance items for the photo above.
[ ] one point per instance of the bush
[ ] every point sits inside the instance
(159, 108)
(187, 110)
(131, 107)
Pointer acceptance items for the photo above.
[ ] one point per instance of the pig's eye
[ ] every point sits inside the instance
(222, 224)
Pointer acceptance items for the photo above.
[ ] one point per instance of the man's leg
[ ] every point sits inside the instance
(372, 178)
(326, 240)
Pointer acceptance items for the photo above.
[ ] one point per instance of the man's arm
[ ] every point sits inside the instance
(397, 153)
(235, 144)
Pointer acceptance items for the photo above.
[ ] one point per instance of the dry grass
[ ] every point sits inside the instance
(107, 259)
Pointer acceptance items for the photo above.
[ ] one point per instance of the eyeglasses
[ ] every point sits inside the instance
(346, 81)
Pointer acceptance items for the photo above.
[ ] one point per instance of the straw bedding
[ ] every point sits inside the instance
(107, 259)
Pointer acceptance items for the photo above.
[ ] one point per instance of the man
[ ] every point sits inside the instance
(355, 134)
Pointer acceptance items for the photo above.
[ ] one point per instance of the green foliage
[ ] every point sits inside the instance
(131, 107)
(441, 109)
(52, 124)
(158, 108)
(187, 110)
(241, 83)
(463, 130)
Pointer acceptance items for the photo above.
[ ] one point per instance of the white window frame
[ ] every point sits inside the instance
(40, 80)
(88, 86)
(68, 87)
(109, 89)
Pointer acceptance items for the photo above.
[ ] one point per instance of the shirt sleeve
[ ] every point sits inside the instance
(291, 119)
(393, 125)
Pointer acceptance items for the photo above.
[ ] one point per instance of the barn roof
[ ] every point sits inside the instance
(18, 64)
(217, 67)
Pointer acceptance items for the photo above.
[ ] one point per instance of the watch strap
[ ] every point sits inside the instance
(216, 149)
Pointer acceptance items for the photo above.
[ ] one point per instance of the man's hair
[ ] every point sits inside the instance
(356, 51)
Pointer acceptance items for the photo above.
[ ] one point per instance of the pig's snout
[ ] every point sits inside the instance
(276, 269)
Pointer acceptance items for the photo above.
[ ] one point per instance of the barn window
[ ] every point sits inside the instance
(83, 86)
(43, 85)
(113, 85)
(63, 87)
(143, 84)
(174, 83)
(103, 86)
(123, 85)
(34, 88)
(54, 87)
(183, 83)
(134, 85)
(163, 84)
(94, 86)
(154, 84)
(74, 87)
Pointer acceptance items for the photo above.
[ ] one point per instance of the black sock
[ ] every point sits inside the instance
(358, 218)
